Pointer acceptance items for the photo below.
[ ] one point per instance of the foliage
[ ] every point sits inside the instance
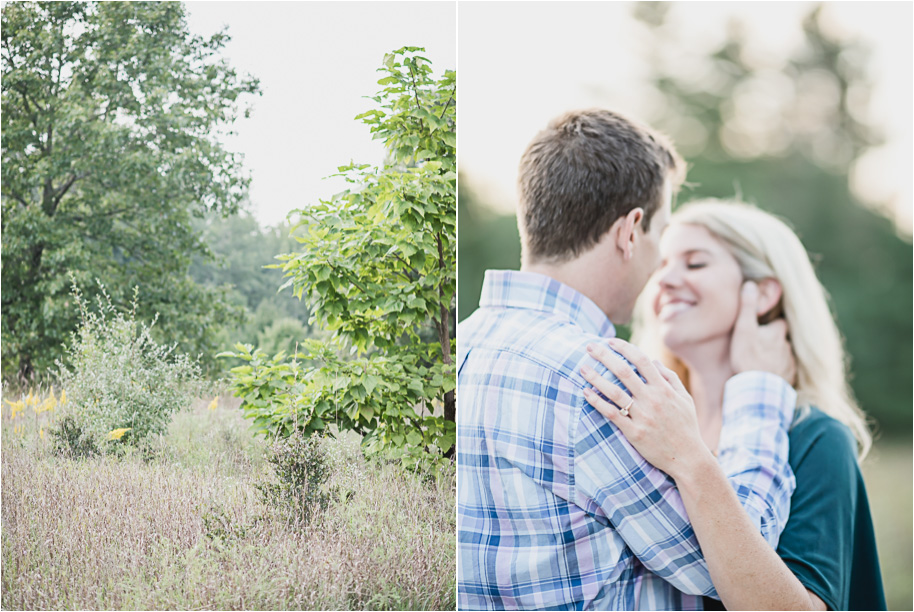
(282, 335)
(487, 241)
(301, 470)
(242, 249)
(119, 378)
(377, 263)
(71, 440)
(111, 114)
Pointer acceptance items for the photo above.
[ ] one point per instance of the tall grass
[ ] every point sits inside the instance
(183, 527)
(888, 474)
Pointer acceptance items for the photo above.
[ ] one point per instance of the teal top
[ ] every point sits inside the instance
(829, 543)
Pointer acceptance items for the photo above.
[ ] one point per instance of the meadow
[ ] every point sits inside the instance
(183, 526)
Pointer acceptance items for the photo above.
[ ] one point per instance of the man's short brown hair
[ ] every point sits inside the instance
(582, 173)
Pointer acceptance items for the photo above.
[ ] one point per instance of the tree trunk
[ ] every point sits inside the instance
(444, 337)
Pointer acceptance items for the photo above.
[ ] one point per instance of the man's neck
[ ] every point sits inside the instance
(594, 275)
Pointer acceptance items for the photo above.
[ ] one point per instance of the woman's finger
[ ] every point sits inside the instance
(622, 370)
(671, 377)
(608, 410)
(607, 387)
(638, 364)
(776, 329)
(641, 361)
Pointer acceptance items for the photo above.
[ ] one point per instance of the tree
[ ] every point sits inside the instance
(111, 113)
(378, 265)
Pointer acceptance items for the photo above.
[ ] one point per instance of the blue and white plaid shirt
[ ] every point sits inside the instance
(556, 510)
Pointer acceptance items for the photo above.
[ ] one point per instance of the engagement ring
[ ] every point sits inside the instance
(624, 411)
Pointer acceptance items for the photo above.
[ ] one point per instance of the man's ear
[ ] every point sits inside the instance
(625, 232)
(769, 299)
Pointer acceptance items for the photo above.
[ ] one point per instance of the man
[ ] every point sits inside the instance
(556, 510)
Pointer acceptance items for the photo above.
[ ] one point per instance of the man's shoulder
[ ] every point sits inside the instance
(538, 338)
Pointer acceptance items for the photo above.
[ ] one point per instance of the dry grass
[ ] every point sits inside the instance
(131, 534)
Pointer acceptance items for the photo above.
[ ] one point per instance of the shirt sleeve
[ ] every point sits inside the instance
(613, 481)
(754, 450)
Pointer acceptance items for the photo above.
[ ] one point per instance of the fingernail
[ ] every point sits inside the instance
(750, 289)
(586, 371)
(591, 348)
(588, 392)
(613, 341)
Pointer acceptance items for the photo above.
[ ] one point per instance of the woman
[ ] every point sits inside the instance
(719, 256)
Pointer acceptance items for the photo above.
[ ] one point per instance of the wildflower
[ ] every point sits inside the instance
(214, 403)
(15, 408)
(41, 433)
(117, 434)
(31, 399)
(63, 397)
(48, 404)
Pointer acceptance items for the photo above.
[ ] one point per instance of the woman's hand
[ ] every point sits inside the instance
(760, 347)
(661, 423)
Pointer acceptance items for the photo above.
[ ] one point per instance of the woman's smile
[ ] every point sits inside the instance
(696, 288)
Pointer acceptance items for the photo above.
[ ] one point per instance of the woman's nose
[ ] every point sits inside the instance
(669, 275)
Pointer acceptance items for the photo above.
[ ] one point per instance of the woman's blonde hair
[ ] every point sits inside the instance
(765, 247)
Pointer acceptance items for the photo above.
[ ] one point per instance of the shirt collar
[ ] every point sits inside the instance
(514, 289)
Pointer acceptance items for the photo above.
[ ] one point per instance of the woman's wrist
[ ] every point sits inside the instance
(689, 468)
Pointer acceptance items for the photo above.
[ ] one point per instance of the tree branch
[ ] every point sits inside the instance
(412, 79)
(406, 263)
(18, 198)
(63, 189)
(444, 110)
(337, 270)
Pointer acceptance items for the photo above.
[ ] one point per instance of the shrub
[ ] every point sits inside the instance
(301, 468)
(118, 378)
(70, 439)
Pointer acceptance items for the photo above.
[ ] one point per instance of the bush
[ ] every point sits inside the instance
(119, 380)
(71, 440)
(301, 468)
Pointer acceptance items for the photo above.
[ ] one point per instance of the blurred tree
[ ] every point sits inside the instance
(487, 241)
(110, 115)
(785, 141)
(241, 249)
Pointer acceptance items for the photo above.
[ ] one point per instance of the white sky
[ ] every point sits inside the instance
(520, 64)
(316, 61)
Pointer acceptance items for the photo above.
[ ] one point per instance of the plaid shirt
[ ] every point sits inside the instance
(556, 510)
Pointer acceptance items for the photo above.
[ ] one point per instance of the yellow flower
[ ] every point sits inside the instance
(48, 404)
(63, 397)
(117, 434)
(214, 403)
(41, 433)
(15, 408)
(31, 399)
